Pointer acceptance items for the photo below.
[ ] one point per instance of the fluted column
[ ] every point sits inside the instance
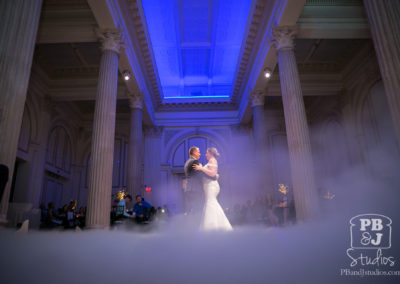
(102, 150)
(383, 17)
(135, 148)
(18, 29)
(263, 160)
(301, 164)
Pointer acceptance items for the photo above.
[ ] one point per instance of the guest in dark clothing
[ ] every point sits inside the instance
(62, 212)
(43, 215)
(81, 218)
(70, 221)
(43, 209)
(122, 207)
(141, 209)
(52, 220)
(3, 178)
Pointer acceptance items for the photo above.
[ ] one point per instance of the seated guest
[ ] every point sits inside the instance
(141, 209)
(121, 208)
(70, 220)
(80, 216)
(52, 219)
(62, 212)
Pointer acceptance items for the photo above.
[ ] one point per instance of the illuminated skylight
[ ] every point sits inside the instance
(196, 44)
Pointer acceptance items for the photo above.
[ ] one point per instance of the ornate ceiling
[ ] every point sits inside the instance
(196, 45)
(197, 58)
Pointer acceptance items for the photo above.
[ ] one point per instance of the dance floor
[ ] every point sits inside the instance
(176, 252)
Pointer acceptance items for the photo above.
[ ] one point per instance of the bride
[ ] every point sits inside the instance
(213, 216)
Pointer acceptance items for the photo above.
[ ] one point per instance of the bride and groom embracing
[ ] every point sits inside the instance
(202, 184)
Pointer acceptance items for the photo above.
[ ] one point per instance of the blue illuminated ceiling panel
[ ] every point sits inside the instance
(196, 44)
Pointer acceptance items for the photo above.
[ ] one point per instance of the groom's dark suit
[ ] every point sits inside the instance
(194, 195)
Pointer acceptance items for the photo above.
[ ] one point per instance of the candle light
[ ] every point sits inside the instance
(283, 188)
(121, 194)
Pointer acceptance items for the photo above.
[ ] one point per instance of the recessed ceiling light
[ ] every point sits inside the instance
(267, 73)
(126, 75)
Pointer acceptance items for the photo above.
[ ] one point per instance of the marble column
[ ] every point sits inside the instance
(135, 147)
(263, 159)
(39, 158)
(301, 164)
(102, 148)
(383, 17)
(18, 30)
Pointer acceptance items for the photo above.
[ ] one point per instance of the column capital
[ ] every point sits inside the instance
(111, 39)
(283, 37)
(136, 100)
(257, 98)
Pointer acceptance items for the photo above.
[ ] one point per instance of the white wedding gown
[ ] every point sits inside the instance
(213, 215)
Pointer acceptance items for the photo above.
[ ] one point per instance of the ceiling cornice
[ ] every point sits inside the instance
(279, 13)
(250, 41)
(72, 84)
(204, 106)
(112, 14)
(138, 30)
(198, 118)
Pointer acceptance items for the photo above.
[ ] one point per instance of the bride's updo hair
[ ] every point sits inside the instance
(213, 151)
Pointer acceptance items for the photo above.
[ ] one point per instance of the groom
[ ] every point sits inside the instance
(193, 193)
